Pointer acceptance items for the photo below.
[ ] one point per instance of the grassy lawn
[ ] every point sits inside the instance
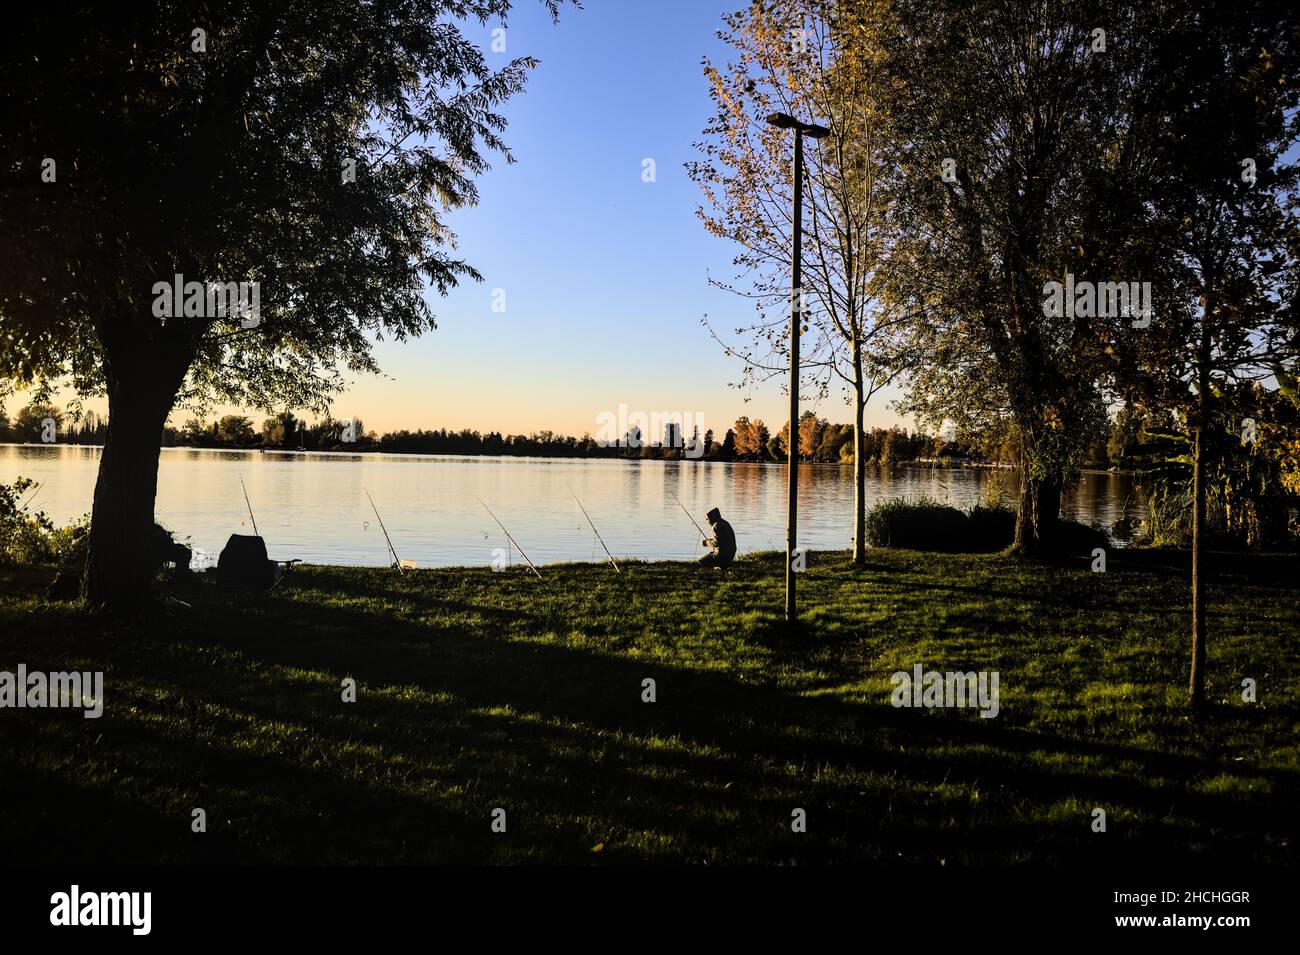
(479, 690)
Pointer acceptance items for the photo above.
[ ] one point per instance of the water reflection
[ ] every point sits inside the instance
(311, 505)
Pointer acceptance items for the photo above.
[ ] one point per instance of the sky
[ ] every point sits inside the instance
(605, 277)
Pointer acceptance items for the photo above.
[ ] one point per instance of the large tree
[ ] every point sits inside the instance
(1011, 118)
(818, 61)
(311, 147)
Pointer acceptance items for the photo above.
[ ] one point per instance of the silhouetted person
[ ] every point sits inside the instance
(722, 544)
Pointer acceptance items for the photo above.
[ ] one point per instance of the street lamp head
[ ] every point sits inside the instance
(786, 121)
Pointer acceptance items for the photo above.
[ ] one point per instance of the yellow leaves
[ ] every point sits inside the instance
(1289, 462)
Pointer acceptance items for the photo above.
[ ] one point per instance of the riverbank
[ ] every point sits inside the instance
(479, 691)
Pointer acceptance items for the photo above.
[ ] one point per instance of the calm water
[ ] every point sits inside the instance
(312, 506)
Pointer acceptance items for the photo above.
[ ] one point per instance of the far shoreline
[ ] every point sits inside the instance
(919, 465)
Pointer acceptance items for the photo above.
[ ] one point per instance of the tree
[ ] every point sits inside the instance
(309, 152)
(280, 430)
(236, 430)
(744, 437)
(728, 445)
(887, 448)
(672, 434)
(751, 438)
(1124, 432)
(1012, 117)
(811, 429)
(195, 434)
(816, 61)
(1220, 188)
(30, 423)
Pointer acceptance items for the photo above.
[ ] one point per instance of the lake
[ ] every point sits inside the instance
(313, 506)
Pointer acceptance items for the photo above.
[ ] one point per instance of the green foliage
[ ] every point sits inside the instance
(27, 538)
(997, 494)
(236, 430)
(1169, 514)
(1026, 161)
(29, 424)
(1247, 483)
(23, 536)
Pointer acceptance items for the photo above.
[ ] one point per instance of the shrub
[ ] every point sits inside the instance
(28, 539)
(991, 528)
(1075, 539)
(1169, 516)
(24, 537)
(920, 525)
(928, 525)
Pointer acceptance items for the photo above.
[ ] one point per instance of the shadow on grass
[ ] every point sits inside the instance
(461, 709)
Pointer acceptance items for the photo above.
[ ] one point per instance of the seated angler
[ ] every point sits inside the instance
(722, 545)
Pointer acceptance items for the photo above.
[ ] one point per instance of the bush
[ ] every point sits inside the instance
(920, 525)
(1169, 516)
(928, 525)
(1074, 539)
(24, 537)
(28, 539)
(991, 528)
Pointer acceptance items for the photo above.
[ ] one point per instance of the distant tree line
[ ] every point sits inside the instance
(31, 425)
(820, 441)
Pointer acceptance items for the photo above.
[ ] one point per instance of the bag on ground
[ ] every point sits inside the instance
(243, 563)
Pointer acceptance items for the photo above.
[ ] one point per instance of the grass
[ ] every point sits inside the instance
(479, 690)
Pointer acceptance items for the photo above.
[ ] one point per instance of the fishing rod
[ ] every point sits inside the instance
(249, 506)
(23, 506)
(688, 513)
(393, 550)
(508, 537)
(593, 530)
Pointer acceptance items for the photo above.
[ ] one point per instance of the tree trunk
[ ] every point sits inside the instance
(859, 464)
(1196, 685)
(1037, 513)
(121, 561)
(1025, 542)
(1047, 511)
(1200, 420)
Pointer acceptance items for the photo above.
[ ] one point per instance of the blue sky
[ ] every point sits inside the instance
(605, 276)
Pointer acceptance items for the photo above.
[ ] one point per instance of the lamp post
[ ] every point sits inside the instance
(784, 121)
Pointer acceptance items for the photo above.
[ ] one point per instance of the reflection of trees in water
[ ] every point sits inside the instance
(1113, 499)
